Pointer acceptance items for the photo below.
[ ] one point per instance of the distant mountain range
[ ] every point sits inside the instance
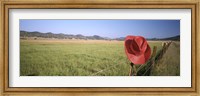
(25, 34)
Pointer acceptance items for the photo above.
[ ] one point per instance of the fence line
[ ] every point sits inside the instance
(152, 62)
(148, 69)
(163, 50)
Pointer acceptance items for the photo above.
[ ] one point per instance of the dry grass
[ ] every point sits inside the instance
(169, 65)
(74, 58)
(67, 41)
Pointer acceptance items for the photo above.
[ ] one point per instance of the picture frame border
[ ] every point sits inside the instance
(6, 5)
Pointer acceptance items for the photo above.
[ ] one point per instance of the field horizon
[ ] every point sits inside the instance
(50, 35)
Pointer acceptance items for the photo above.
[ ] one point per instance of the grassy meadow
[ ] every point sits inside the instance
(76, 58)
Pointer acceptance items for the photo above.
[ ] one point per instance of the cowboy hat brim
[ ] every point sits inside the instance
(133, 49)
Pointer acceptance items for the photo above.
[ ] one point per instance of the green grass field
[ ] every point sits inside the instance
(74, 58)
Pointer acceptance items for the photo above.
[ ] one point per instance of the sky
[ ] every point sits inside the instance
(105, 28)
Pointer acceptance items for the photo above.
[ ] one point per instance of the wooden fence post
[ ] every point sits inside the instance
(131, 69)
(152, 61)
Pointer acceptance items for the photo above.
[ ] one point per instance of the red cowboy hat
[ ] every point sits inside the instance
(137, 49)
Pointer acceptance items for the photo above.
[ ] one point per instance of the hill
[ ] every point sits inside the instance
(25, 34)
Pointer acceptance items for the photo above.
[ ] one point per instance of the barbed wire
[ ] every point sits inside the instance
(147, 69)
(154, 59)
(104, 70)
(139, 68)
